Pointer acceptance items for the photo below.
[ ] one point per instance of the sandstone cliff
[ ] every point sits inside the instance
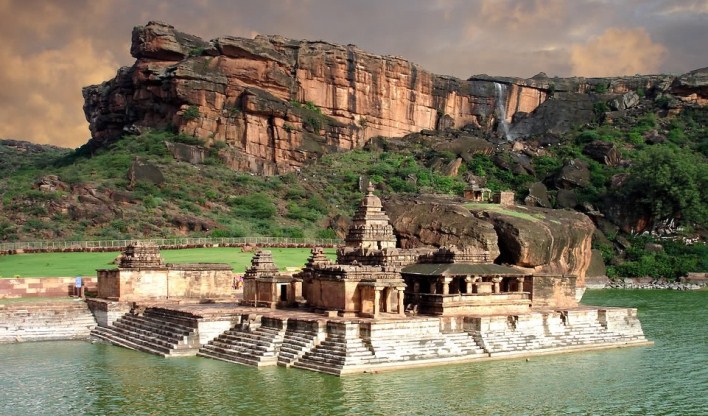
(548, 241)
(278, 102)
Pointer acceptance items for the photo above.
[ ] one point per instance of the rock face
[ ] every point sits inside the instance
(555, 241)
(549, 241)
(431, 222)
(692, 87)
(278, 102)
(249, 94)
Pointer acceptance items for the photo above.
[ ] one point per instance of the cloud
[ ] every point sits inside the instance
(45, 91)
(617, 52)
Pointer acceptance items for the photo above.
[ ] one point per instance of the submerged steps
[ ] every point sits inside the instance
(45, 321)
(341, 346)
(155, 332)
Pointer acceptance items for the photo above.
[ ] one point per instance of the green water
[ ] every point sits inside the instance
(62, 378)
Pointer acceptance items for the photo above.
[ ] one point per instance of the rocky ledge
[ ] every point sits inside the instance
(277, 103)
(544, 240)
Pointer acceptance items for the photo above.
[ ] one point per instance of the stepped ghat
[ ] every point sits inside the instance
(375, 308)
(45, 321)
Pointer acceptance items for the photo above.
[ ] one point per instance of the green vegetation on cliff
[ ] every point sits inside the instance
(641, 171)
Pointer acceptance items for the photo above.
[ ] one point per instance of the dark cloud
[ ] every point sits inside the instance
(51, 49)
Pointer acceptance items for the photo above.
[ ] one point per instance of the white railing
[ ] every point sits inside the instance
(168, 242)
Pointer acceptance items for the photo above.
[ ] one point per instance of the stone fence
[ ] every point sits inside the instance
(44, 287)
(163, 243)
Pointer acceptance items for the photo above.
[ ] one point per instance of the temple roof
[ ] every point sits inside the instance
(459, 269)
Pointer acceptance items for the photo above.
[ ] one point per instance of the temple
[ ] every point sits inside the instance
(372, 277)
(376, 307)
(142, 275)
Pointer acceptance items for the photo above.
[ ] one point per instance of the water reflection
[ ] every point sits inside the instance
(670, 378)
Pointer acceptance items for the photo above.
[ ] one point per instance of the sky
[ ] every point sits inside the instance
(51, 49)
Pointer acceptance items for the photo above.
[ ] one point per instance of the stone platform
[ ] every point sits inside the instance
(336, 345)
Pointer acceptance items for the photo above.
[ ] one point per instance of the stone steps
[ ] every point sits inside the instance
(332, 354)
(137, 334)
(295, 345)
(151, 332)
(554, 335)
(257, 348)
(45, 321)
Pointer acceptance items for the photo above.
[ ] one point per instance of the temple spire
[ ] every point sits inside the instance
(370, 227)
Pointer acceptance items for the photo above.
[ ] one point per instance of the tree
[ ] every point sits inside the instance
(669, 183)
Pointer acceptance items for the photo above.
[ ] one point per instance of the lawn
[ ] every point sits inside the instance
(85, 264)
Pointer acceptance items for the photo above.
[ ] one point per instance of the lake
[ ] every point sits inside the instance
(669, 378)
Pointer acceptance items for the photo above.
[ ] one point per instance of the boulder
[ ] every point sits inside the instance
(692, 86)
(519, 164)
(549, 241)
(143, 171)
(161, 41)
(566, 198)
(431, 222)
(603, 152)
(187, 153)
(452, 167)
(597, 266)
(625, 101)
(187, 223)
(538, 196)
(575, 173)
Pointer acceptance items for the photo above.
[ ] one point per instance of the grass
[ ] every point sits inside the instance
(496, 208)
(85, 264)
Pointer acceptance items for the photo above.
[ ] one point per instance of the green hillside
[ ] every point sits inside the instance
(656, 180)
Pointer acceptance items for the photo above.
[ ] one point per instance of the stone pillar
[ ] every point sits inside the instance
(387, 299)
(468, 284)
(377, 299)
(401, 306)
(475, 283)
(446, 285)
(497, 286)
(520, 284)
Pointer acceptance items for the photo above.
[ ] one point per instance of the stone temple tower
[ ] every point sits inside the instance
(370, 227)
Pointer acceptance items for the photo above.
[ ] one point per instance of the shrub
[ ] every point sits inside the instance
(299, 213)
(546, 165)
(327, 233)
(587, 136)
(231, 232)
(292, 232)
(600, 88)
(191, 113)
(256, 205)
(314, 123)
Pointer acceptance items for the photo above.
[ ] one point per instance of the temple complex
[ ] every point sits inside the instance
(372, 277)
(376, 307)
(142, 275)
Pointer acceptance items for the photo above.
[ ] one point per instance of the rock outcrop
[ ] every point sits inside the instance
(548, 241)
(278, 102)
(431, 222)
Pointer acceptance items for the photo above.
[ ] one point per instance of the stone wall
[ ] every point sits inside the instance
(44, 321)
(173, 281)
(43, 286)
(554, 291)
